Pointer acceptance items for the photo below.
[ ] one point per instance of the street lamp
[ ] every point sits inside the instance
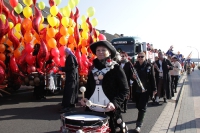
(197, 52)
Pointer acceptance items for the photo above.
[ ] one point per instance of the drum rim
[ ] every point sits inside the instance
(86, 123)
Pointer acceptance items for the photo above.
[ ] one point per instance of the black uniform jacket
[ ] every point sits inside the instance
(114, 84)
(147, 77)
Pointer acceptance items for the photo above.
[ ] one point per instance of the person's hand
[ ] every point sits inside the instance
(168, 66)
(83, 101)
(110, 107)
(154, 93)
(134, 76)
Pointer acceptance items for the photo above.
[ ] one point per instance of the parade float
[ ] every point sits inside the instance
(28, 41)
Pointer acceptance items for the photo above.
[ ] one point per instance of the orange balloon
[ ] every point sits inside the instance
(28, 36)
(2, 57)
(71, 46)
(84, 42)
(27, 24)
(52, 43)
(63, 40)
(2, 48)
(35, 41)
(71, 39)
(63, 31)
(17, 53)
(47, 37)
(51, 32)
(84, 50)
(3, 40)
(9, 42)
(37, 36)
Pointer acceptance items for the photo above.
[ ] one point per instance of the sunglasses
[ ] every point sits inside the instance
(140, 56)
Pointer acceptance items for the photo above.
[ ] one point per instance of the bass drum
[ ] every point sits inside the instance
(86, 122)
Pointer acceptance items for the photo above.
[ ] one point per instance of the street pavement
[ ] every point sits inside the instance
(21, 113)
(182, 116)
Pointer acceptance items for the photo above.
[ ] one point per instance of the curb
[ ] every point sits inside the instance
(173, 123)
(163, 122)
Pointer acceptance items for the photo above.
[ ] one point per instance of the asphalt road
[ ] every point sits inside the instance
(21, 113)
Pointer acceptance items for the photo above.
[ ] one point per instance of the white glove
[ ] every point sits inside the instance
(110, 107)
(83, 101)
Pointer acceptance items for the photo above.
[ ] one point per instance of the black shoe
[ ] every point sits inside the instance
(165, 101)
(156, 103)
(124, 111)
(137, 130)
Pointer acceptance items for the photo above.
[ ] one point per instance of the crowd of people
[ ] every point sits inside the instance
(113, 79)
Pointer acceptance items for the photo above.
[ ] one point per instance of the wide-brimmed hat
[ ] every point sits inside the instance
(106, 44)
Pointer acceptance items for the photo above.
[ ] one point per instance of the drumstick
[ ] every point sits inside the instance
(89, 103)
(83, 89)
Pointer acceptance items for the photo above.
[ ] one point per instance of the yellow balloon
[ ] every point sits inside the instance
(94, 22)
(41, 5)
(70, 30)
(18, 27)
(85, 35)
(28, 2)
(19, 8)
(76, 2)
(41, 27)
(3, 18)
(66, 11)
(71, 4)
(84, 25)
(71, 21)
(54, 10)
(52, 21)
(58, 2)
(17, 34)
(11, 25)
(90, 11)
(42, 20)
(27, 11)
(83, 18)
(65, 21)
(58, 22)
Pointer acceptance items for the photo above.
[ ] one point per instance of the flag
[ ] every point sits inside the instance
(190, 55)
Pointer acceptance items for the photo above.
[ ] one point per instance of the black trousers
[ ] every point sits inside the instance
(174, 81)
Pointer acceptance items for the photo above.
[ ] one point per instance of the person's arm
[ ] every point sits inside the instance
(123, 88)
(69, 64)
(153, 79)
(170, 65)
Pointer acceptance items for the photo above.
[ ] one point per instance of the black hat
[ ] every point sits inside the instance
(107, 44)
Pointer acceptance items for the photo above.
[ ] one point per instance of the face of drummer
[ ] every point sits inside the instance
(141, 57)
(102, 52)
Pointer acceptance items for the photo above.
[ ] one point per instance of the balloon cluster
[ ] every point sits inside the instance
(29, 43)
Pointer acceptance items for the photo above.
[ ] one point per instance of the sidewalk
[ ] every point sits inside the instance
(182, 112)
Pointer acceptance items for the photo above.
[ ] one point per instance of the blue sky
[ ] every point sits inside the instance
(160, 22)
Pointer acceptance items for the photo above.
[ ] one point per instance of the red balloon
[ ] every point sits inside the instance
(31, 69)
(62, 61)
(2, 74)
(55, 52)
(30, 59)
(13, 3)
(29, 48)
(102, 37)
(62, 50)
(56, 60)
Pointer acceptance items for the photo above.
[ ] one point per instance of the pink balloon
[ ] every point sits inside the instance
(62, 50)
(29, 48)
(62, 61)
(102, 37)
(55, 52)
(56, 60)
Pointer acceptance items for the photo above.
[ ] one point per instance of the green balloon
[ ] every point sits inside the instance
(41, 5)
(19, 8)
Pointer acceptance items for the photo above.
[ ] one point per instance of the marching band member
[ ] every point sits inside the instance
(163, 78)
(175, 73)
(145, 74)
(106, 85)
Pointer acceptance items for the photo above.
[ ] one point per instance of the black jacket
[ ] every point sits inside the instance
(147, 77)
(114, 84)
(128, 72)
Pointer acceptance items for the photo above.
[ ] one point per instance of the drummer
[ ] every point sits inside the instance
(106, 85)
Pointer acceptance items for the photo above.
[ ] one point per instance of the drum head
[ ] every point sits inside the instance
(85, 118)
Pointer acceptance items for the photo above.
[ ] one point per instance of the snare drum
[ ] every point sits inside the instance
(87, 122)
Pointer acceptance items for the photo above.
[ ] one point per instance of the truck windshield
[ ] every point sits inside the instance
(128, 48)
